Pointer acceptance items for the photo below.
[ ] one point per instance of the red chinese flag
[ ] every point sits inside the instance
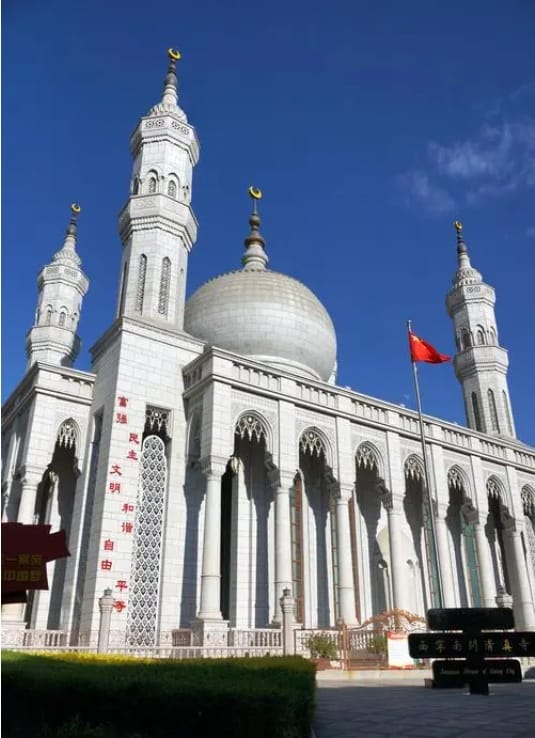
(423, 351)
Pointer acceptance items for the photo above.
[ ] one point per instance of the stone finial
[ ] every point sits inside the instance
(255, 257)
(465, 274)
(67, 253)
(169, 101)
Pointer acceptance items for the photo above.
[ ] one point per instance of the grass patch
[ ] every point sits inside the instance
(89, 696)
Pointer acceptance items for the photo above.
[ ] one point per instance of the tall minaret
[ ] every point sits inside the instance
(480, 362)
(157, 225)
(62, 286)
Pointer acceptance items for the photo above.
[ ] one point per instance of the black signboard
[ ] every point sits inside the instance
(491, 670)
(470, 618)
(471, 645)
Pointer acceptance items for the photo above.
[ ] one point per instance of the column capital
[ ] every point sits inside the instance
(345, 492)
(213, 466)
(29, 475)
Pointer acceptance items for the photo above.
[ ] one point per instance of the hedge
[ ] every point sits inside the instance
(69, 695)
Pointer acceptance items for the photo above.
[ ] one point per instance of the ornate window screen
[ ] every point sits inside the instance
(163, 299)
(366, 457)
(67, 434)
(157, 421)
(249, 426)
(141, 276)
(493, 489)
(455, 479)
(148, 527)
(414, 468)
(311, 442)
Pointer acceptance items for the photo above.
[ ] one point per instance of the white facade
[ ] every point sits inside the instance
(198, 475)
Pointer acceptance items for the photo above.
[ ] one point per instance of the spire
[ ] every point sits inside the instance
(255, 257)
(169, 101)
(67, 254)
(465, 273)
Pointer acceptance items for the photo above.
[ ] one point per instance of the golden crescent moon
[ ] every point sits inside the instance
(75, 208)
(255, 193)
(458, 226)
(174, 54)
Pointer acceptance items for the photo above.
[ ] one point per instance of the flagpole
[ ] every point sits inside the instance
(430, 500)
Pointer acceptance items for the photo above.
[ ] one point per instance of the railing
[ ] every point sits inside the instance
(36, 639)
(256, 638)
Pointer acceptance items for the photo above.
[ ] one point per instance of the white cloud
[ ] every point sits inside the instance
(500, 160)
(530, 232)
(419, 190)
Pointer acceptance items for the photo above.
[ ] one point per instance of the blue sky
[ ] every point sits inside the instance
(370, 126)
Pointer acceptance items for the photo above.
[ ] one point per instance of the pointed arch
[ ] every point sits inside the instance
(495, 489)
(314, 442)
(458, 479)
(152, 182)
(493, 337)
(414, 468)
(368, 456)
(48, 314)
(252, 424)
(480, 336)
(68, 435)
(63, 312)
(173, 186)
(466, 338)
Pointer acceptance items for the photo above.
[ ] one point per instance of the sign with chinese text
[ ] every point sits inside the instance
(26, 549)
(463, 645)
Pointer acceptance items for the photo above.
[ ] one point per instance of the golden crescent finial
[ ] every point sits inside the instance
(174, 54)
(75, 208)
(255, 193)
(458, 226)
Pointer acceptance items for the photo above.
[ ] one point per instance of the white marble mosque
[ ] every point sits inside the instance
(209, 460)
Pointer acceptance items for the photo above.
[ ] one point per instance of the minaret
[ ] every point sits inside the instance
(480, 362)
(157, 225)
(62, 285)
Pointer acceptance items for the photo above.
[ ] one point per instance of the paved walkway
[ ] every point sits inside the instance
(405, 709)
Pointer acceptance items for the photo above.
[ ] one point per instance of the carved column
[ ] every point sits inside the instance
(346, 591)
(444, 557)
(486, 577)
(281, 484)
(400, 586)
(30, 481)
(522, 603)
(210, 607)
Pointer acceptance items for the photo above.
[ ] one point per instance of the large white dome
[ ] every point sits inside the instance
(265, 316)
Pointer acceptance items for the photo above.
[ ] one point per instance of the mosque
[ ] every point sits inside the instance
(209, 460)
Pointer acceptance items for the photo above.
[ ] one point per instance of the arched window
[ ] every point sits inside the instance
(135, 189)
(480, 336)
(152, 185)
(171, 189)
(475, 410)
(146, 556)
(48, 318)
(493, 340)
(163, 299)
(507, 412)
(494, 424)
(466, 340)
(123, 288)
(141, 276)
(62, 317)
(37, 316)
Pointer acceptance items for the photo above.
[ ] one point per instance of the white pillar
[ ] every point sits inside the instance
(446, 570)
(210, 606)
(30, 482)
(105, 606)
(486, 577)
(522, 604)
(346, 591)
(283, 541)
(287, 605)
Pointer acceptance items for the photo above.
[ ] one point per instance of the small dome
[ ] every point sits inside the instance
(265, 316)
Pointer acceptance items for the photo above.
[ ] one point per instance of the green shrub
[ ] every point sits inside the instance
(66, 696)
(378, 645)
(321, 646)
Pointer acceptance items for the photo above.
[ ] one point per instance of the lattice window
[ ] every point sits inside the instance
(152, 185)
(67, 434)
(141, 277)
(163, 299)
(414, 468)
(311, 442)
(249, 426)
(171, 189)
(296, 529)
(494, 424)
(157, 421)
(366, 457)
(455, 479)
(477, 414)
(146, 557)
(493, 488)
